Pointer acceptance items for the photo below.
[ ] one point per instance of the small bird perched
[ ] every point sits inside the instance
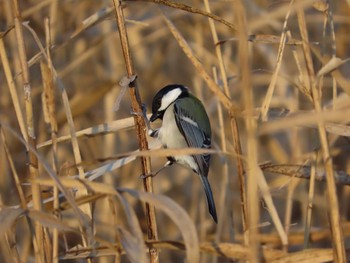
(185, 123)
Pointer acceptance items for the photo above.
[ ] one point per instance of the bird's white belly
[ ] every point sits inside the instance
(171, 138)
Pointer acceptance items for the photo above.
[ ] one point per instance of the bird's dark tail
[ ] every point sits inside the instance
(210, 198)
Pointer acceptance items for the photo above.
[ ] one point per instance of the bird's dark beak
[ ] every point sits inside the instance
(154, 117)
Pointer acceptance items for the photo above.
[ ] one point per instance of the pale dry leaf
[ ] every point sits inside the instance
(265, 191)
(178, 216)
(119, 98)
(307, 119)
(331, 65)
(124, 84)
(116, 164)
(161, 202)
(7, 217)
(307, 255)
(54, 178)
(81, 200)
(111, 166)
(338, 129)
(48, 220)
(100, 129)
(131, 245)
(93, 19)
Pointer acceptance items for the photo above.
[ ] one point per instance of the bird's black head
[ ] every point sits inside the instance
(166, 96)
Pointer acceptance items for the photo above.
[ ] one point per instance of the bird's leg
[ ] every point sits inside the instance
(168, 163)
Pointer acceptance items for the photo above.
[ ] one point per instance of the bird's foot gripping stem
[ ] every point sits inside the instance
(151, 174)
(151, 132)
(144, 176)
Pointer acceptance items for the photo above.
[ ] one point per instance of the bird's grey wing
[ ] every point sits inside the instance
(192, 129)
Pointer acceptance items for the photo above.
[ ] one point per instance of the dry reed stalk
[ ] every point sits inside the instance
(140, 128)
(297, 238)
(289, 205)
(333, 206)
(268, 97)
(254, 173)
(102, 129)
(35, 8)
(53, 20)
(12, 247)
(228, 251)
(13, 170)
(310, 201)
(223, 202)
(329, 16)
(252, 162)
(228, 104)
(10, 239)
(81, 217)
(85, 210)
(308, 119)
(235, 135)
(241, 174)
(302, 88)
(23, 202)
(200, 212)
(50, 110)
(9, 251)
(12, 89)
(343, 82)
(163, 203)
(33, 161)
(294, 139)
(265, 19)
(110, 205)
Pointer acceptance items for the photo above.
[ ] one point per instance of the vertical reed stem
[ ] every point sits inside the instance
(140, 127)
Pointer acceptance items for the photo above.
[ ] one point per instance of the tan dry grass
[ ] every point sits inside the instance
(70, 165)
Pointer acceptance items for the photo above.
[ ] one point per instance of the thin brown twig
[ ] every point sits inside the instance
(304, 172)
(140, 128)
(190, 9)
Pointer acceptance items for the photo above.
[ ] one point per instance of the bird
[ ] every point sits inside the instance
(185, 124)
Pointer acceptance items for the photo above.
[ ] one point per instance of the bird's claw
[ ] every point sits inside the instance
(144, 176)
(153, 133)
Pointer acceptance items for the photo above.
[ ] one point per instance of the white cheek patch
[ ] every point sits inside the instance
(169, 98)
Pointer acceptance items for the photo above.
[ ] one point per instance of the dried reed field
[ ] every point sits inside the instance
(74, 79)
